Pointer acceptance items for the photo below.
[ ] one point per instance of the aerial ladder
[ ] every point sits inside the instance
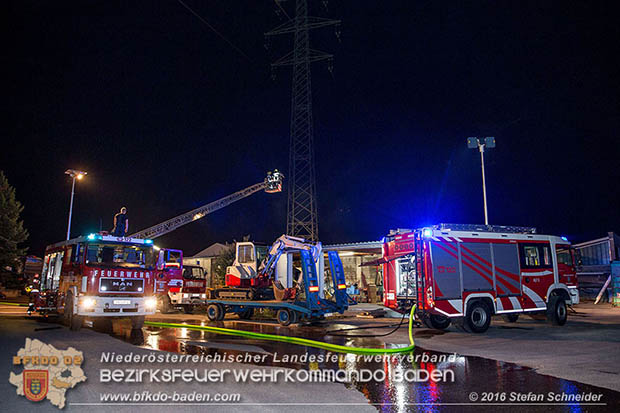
(272, 183)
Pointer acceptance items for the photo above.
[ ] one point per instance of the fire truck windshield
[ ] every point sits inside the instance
(193, 273)
(120, 255)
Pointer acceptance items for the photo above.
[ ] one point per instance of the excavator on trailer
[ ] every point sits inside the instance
(251, 277)
(249, 281)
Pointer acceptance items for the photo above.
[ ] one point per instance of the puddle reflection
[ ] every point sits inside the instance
(471, 374)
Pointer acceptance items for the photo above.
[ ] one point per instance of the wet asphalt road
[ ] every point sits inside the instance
(475, 378)
(473, 375)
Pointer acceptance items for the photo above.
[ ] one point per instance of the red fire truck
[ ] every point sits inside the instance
(178, 285)
(464, 274)
(169, 279)
(97, 276)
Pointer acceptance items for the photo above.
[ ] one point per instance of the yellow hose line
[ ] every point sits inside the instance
(295, 340)
(15, 304)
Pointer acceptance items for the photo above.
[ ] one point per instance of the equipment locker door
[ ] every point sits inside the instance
(507, 272)
(445, 267)
(477, 266)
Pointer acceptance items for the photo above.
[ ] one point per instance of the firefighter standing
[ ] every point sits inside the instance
(121, 223)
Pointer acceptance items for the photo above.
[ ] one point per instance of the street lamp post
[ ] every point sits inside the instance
(74, 174)
(473, 143)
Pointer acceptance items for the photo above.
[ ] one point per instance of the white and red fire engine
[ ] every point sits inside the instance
(465, 274)
(97, 276)
(179, 285)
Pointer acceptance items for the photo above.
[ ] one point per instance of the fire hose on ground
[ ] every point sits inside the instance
(295, 340)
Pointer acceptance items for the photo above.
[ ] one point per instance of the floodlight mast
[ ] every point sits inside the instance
(74, 174)
(489, 142)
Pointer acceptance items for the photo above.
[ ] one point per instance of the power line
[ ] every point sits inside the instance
(241, 52)
(277, 2)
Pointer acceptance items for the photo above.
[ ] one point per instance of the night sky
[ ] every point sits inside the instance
(166, 116)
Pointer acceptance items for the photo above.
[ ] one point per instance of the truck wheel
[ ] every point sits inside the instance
(510, 318)
(295, 316)
(478, 317)
(284, 317)
(436, 322)
(246, 314)
(67, 313)
(556, 311)
(214, 312)
(137, 322)
(73, 321)
(76, 322)
(222, 312)
(165, 306)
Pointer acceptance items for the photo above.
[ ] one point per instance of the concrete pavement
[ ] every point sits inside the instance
(264, 397)
(586, 349)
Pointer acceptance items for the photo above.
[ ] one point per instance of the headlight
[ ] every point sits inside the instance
(88, 302)
(185, 295)
(150, 303)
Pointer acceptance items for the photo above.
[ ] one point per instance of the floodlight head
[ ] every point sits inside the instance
(472, 143)
(489, 142)
(74, 173)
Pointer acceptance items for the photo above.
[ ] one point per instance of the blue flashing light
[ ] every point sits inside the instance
(427, 233)
(564, 238)
(148, 241)
(91, 237)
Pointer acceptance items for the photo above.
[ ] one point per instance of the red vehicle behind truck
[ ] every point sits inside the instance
(465, 274)
(178, 285)
(97, 277)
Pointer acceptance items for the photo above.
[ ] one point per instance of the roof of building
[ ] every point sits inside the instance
(364, 246)
(211, 251)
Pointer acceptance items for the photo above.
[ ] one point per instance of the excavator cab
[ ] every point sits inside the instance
(248, 257)
(273, 182)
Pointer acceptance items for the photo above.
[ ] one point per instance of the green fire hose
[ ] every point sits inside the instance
(14, 304)
(296, 340)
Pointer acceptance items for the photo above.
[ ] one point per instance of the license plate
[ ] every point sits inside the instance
(121, 285)
(121, 302)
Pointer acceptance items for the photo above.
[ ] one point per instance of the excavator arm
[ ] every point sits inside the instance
(284, 244)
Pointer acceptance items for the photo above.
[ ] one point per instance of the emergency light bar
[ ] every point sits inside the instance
(112, 238)
(485, 228)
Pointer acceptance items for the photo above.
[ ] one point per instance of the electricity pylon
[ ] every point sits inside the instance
(302, 209)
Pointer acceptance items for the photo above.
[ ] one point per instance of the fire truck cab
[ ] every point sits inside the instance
(193, 291)
(464, 274)
(179, 285)
(97, 276)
